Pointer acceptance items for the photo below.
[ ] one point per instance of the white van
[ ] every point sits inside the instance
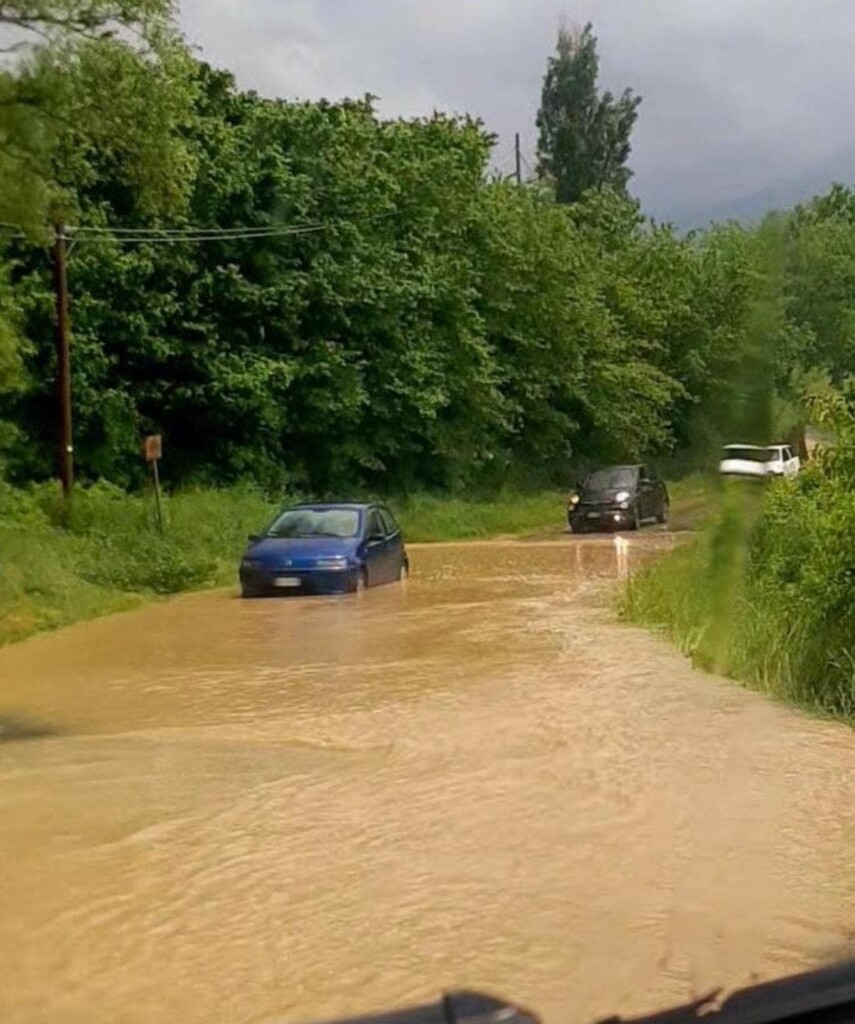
(753, 461)
(783, 461)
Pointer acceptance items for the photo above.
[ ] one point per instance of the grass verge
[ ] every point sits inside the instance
(766, 593)
(107, 555)
(692, 502)
(428, 518)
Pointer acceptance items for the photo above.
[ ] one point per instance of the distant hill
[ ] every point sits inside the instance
(779, 195)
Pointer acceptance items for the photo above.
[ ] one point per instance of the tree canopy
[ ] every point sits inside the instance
(584, 134)
(102, 75)
(307, 293)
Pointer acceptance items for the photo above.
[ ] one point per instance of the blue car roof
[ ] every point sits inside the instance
(318, 505)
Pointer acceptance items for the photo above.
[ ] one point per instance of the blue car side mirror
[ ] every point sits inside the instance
(253, 538)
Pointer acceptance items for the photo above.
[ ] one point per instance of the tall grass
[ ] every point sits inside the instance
(431, 518)
(106, 554)
(767, 595)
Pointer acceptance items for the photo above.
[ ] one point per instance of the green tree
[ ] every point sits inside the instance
(820, 272)
(100, 70)
(95, 88)
(348, 352)
(48, 18)
(584, 135)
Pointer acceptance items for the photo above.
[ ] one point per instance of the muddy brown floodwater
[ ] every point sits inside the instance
(292, 810)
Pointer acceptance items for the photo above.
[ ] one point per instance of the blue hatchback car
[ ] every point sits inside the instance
(324, 549)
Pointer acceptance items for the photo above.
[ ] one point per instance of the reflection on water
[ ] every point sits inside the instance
(300, 809)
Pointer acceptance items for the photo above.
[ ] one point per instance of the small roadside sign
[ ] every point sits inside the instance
(153, 453)
(153, 448)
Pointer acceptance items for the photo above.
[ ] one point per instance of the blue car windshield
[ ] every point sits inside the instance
(308, 522)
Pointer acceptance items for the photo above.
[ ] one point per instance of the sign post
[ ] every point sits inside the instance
(153, 451)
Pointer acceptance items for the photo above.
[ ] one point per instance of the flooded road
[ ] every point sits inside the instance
(260, 811)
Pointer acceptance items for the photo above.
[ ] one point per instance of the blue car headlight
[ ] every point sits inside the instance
(335, 562)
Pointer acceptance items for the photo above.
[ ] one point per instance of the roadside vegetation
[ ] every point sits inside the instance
(328, 302)
(106, 554)
(429, 518)
(767, 592)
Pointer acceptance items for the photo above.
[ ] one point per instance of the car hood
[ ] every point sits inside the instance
(299, 552)
(601, 496)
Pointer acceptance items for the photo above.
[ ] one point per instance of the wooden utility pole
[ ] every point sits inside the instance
(519, 159)
(63, 360)
(153, 452)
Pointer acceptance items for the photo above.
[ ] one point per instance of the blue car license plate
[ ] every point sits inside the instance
(286, 582)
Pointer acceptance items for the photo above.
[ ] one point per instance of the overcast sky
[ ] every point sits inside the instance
(740, 96)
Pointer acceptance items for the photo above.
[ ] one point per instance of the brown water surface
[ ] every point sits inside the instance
(223, 811)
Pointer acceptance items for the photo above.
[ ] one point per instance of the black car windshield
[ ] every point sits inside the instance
(310, 522)
(612, 479)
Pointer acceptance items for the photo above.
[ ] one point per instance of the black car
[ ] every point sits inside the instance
(620, 497)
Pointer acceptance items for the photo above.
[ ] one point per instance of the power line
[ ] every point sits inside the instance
(111, 239)
(90, 235)
(192, 231)
(94, 235)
